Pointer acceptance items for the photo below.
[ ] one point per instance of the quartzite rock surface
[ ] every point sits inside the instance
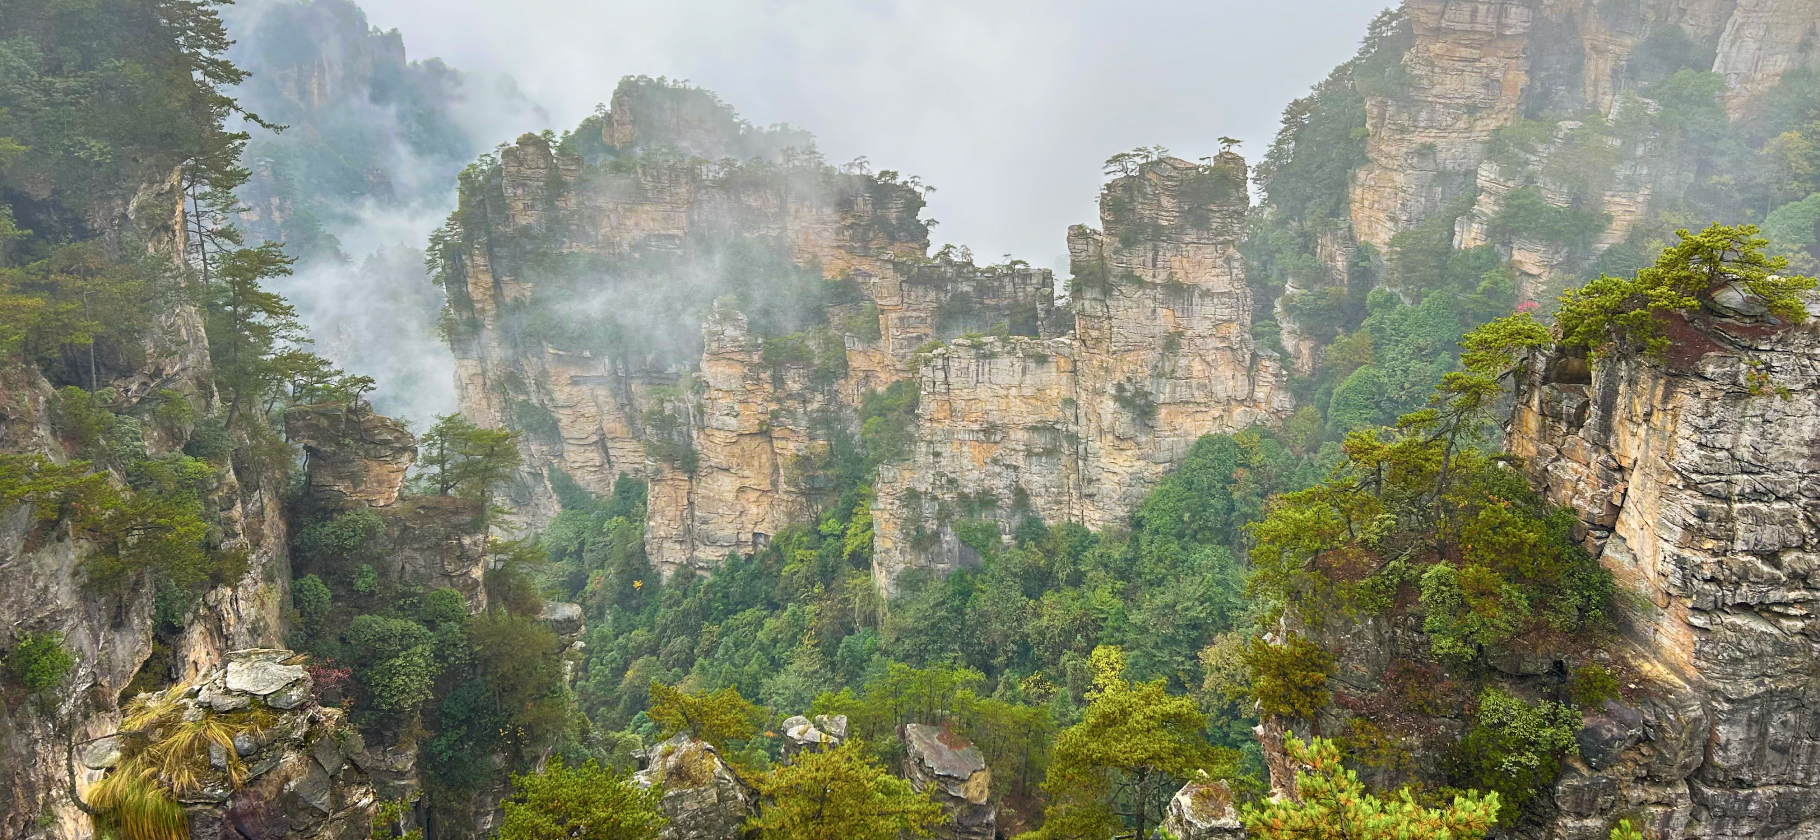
(956, 775)
(1697, 482)
(1079, 428)
(703, 797)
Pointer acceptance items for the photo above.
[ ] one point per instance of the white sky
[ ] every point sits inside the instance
(1007, 107)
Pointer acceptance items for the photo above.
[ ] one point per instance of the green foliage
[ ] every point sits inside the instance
(1117, 768)
(1331, 803)
(1513, 749)
(1590, 686)
(155, 527)
(459, 458)
(1289, 679)
(840, 794)
(344, 541)
(312, 599)
(39, 661)
(1526, 214)
(1624, 831)
(583, 803)
(394, 662)
(1611, 311)
(1421, 509)
(715, 717)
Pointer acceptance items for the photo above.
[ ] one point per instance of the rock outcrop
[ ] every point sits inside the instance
(1203, 811)
(355, 458)
(726, 411)
(1694, 478)
(825, 733)
(1460, 103)
(1079, 428)
(955, 774)
(703, 796)
(1474, 66)
(293, 770)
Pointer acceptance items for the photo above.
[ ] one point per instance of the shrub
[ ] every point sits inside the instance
(1513, 748)
(1591, 685)
(311, 598)
(1289, 679)
(444, 606)
(39, 661)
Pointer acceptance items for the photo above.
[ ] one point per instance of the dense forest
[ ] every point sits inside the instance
(174, 433)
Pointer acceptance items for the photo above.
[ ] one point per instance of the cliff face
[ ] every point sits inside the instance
(1695, 483)
(1079, 428)
(1575, 103)
(710, 388)
(110, 631)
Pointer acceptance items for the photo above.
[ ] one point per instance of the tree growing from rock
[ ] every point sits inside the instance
(581, 803)
(714, 717)
(1332, 804)
(1613, 310)
(841, 794)
(1113, 772)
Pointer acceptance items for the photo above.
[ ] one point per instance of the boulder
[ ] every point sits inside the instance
(955, 774)
(703, 796)
(563, 619)
(1203, 811)
(261, 672)
(800, 735)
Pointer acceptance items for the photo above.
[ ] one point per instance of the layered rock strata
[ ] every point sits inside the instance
(956, 776)
(1079, 428)
(1695, 479)
(1475, 66)
(726, 418)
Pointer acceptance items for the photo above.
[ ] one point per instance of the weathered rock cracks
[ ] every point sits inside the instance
(955, 774)
(297, 770)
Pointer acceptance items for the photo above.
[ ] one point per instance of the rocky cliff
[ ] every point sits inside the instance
(1694, 482)
(1603, 118)
(1078, 428)
(716, 326)
(120, 636)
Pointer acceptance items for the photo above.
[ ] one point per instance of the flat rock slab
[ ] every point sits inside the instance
(261, 676)
(942, 752)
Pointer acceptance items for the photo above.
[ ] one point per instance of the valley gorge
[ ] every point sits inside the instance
(745, 479)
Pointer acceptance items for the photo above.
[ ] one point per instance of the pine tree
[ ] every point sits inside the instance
(840, 794)
(1331, 804)
(1115, 770)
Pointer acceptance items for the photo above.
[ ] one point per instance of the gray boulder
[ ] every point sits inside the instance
(1203, 811)
(703, 797)
(956, 775)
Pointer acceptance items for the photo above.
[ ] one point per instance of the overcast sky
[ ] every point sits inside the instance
(1007, 107)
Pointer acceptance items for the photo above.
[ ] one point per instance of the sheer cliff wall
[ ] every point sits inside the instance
(721, 413)
(1697, 482)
